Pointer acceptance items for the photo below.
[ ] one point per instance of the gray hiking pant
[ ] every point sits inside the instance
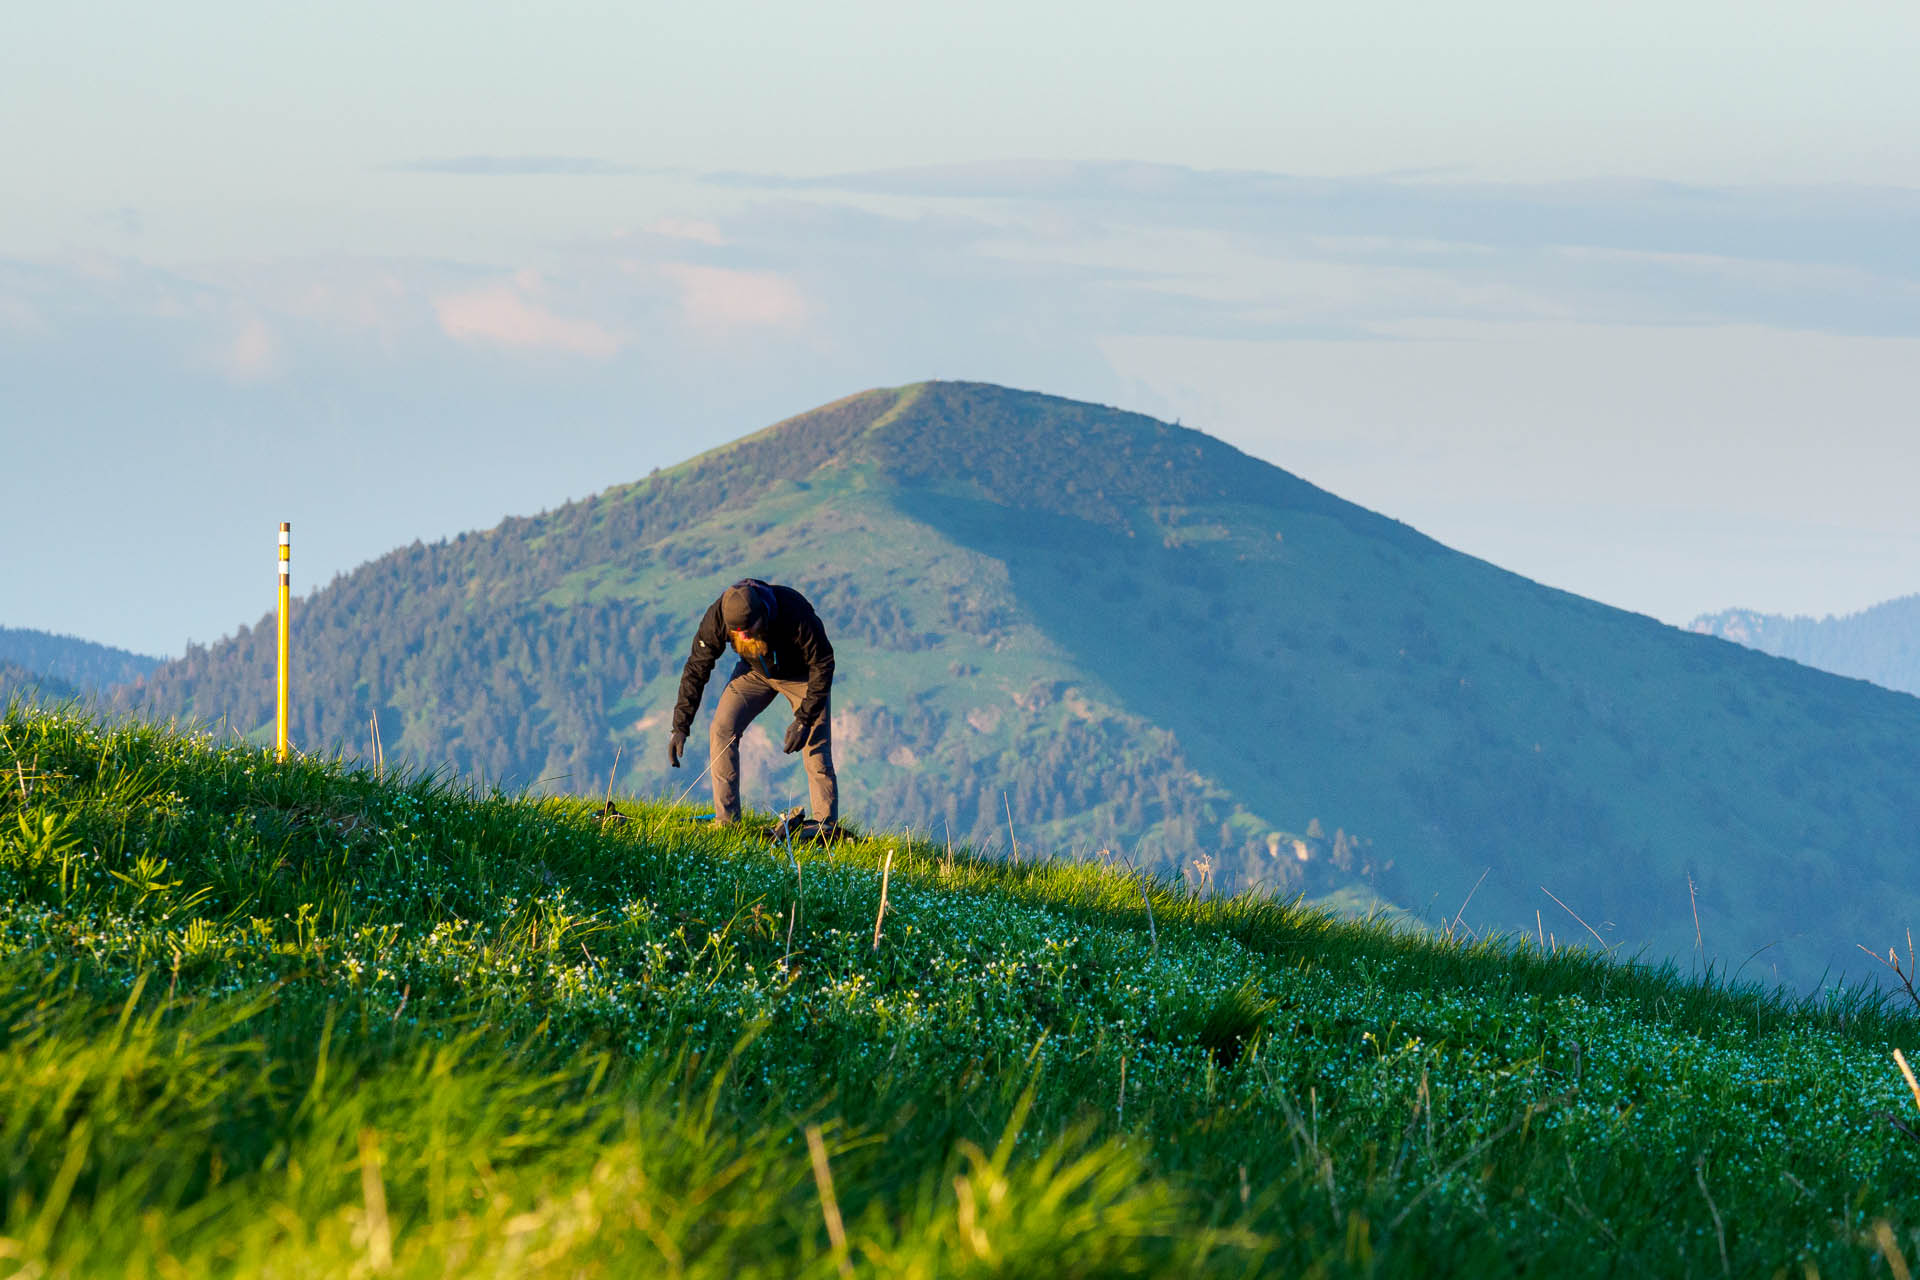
(746, 696)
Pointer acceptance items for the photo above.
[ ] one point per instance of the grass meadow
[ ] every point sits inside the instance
(303, 1019)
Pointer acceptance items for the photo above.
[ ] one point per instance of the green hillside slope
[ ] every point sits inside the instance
(1085, 629)
(1881, 644)
(263, 1019)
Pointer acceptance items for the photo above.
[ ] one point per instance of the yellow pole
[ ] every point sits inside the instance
(280, 705)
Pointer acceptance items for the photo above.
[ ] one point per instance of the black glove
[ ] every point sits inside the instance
(796, 737)
(675, 746)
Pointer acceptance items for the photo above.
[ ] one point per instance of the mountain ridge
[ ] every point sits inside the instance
(1069, 626)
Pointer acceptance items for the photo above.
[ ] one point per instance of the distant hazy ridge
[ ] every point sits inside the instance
(1881, 644)
(74, 662)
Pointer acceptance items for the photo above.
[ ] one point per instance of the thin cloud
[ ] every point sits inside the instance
(1185, 250)
(1870, 227)
(252, 354)
(720, 300)
(699, 230)
(19, 316)
(482, 166)
(501, 315)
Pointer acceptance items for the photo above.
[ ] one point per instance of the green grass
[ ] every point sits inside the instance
(299, 1019)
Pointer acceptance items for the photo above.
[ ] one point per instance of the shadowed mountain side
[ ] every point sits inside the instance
(1462, 720)
(1082, 629)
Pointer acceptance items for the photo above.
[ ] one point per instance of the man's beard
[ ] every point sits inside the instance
(752, 648)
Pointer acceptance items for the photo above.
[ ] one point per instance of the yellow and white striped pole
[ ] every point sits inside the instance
(280, 704)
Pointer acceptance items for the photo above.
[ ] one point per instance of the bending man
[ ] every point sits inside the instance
(783, 650)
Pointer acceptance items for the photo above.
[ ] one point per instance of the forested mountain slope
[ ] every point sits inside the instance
(1881, 644)
(1102, 631)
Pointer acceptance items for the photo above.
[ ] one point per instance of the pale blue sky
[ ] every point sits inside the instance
(1623, 297)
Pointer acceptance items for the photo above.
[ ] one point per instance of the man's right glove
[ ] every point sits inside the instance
(675, 746)
(796, 737)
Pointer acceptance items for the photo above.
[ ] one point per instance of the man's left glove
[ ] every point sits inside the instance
(675, 745)
(796, 737)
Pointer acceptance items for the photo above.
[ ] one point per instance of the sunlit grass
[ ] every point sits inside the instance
(299, 1018)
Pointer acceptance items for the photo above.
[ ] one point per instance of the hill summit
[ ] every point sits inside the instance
(1066, 627)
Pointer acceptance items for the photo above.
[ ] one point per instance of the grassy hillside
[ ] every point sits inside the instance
(1881, 644)
(302, 1019)
(1080, 628)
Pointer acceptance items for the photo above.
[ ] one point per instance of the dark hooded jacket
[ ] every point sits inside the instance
(798, 650)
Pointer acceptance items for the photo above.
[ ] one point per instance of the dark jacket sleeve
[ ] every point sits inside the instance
(709, 642)
(811, 639)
